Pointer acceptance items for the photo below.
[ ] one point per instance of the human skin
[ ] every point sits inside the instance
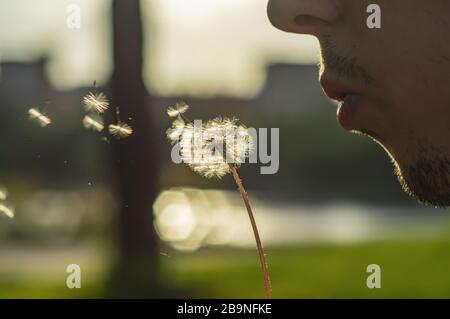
(395, 80)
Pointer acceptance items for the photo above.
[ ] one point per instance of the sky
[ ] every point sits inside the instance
(202, 47)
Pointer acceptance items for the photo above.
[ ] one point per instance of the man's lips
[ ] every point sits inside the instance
(343, 93)
(347, 110)
(354, 111)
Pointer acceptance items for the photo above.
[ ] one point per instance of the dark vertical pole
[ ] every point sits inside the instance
(135, 159)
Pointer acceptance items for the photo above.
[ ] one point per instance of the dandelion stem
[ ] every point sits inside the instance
(262, 257)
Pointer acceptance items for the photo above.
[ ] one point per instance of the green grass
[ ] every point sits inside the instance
(46, 289)
(409, 270)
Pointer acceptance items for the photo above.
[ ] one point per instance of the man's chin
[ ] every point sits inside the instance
(426, 181)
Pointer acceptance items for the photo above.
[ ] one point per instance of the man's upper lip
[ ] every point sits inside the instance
(335, 89)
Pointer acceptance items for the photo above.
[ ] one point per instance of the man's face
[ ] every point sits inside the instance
(393, 82)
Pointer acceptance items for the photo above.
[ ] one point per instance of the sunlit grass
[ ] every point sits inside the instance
(409, 270)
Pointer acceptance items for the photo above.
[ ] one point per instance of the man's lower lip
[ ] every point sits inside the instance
(347, 111)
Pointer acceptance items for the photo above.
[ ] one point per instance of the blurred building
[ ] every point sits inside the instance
(294, 87)
(290, 86)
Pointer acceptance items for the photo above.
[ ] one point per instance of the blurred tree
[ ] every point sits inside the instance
(135, 272)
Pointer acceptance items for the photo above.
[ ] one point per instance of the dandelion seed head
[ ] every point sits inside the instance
(39, 117)
(120, 130)
(96, 102)
(217, 170)
(8, 211)
(209, 149)
(93, 122)
(178, 109)
(235, 138)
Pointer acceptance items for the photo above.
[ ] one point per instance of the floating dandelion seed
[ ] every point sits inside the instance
(39, 117)
(214, 150)
(3, 193)
(8, 211)
(93, 122)
(120, 130)
(174, 133)
(178, 109)
(96, 102)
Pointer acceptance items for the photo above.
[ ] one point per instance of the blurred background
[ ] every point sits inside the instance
(139, 225)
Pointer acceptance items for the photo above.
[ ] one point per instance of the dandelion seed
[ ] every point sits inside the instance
(96, 102)
(3, 193)
(178, 109)
(175, 132)
(93, 122)
(121, 130)
(8, 211)
(39, 117)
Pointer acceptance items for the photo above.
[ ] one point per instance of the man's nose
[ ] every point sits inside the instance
(303, 16)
